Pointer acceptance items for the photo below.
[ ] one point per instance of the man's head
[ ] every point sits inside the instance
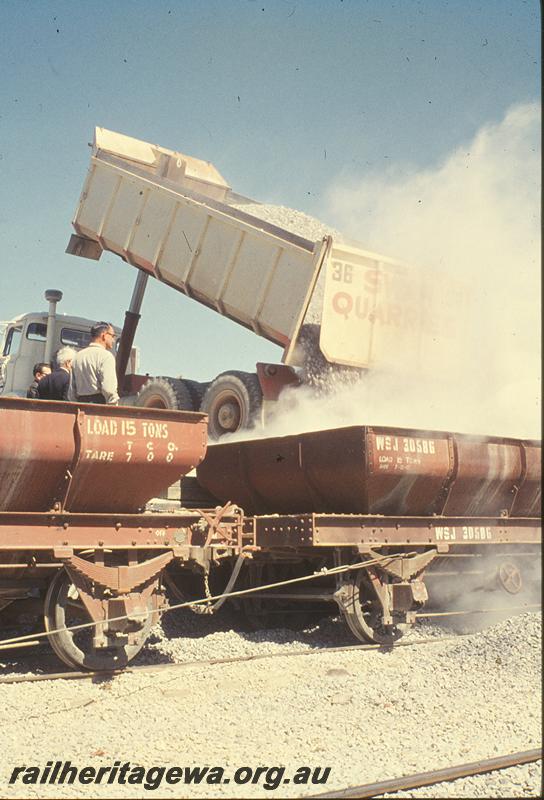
(64, 358)
(41, 369)
(103, 334)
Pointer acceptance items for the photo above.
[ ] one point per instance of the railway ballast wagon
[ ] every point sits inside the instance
(430, 513)
(378, 518)
(74, 482)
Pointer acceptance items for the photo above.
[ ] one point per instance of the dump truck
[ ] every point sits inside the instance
(326, 303)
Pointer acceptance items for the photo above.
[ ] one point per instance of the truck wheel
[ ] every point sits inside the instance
(196, 391)
(165, 393)
(233, 402)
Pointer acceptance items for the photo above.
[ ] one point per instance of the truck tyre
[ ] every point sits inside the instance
(196, 391)
(233, 402)
(165, 393)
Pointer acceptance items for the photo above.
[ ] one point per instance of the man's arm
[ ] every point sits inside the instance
(108, 379)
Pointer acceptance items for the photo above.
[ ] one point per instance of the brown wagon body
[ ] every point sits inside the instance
(74, 482)
(394, 510)
(378, 470)
(452, 512)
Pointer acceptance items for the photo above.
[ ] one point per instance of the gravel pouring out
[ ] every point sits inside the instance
(368, 715)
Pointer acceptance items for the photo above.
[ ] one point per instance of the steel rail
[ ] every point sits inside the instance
(526, 607)
(216, 661)
(436, 776)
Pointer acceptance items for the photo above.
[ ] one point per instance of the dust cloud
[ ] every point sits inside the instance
(475, 587)
(472, 225)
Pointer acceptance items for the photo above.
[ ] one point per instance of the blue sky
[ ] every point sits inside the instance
(287, 98)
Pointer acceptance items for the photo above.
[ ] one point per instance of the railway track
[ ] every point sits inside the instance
(72, 675)
(80, 675)
(436, 776)
(213, 602)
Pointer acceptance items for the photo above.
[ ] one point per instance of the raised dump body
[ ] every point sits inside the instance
(137, 202)
(92, 458)
(377, 470)
(169, 215)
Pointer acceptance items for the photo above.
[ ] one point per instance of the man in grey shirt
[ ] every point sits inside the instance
(94, 379)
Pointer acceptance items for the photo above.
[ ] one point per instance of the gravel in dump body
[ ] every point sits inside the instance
(291, 219)
(369, 715)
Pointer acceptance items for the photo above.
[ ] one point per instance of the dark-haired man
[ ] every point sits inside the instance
(94, 379)
(41, 369)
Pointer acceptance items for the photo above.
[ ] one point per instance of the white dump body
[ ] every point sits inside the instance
(372, 311)
(256, 274)
(167, 214)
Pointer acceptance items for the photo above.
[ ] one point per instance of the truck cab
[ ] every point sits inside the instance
(37, 336)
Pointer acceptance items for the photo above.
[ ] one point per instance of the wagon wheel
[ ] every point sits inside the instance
(363, 612)
(63, 608)
(509, 577)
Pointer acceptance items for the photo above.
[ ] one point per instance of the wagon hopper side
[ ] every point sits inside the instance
(432, 513)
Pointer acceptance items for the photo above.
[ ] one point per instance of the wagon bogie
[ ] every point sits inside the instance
(115, 637)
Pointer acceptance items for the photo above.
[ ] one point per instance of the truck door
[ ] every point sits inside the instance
(8, 358)
(24, 346)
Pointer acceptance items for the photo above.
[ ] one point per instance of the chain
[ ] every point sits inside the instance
(204, 609)
(207, 592)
